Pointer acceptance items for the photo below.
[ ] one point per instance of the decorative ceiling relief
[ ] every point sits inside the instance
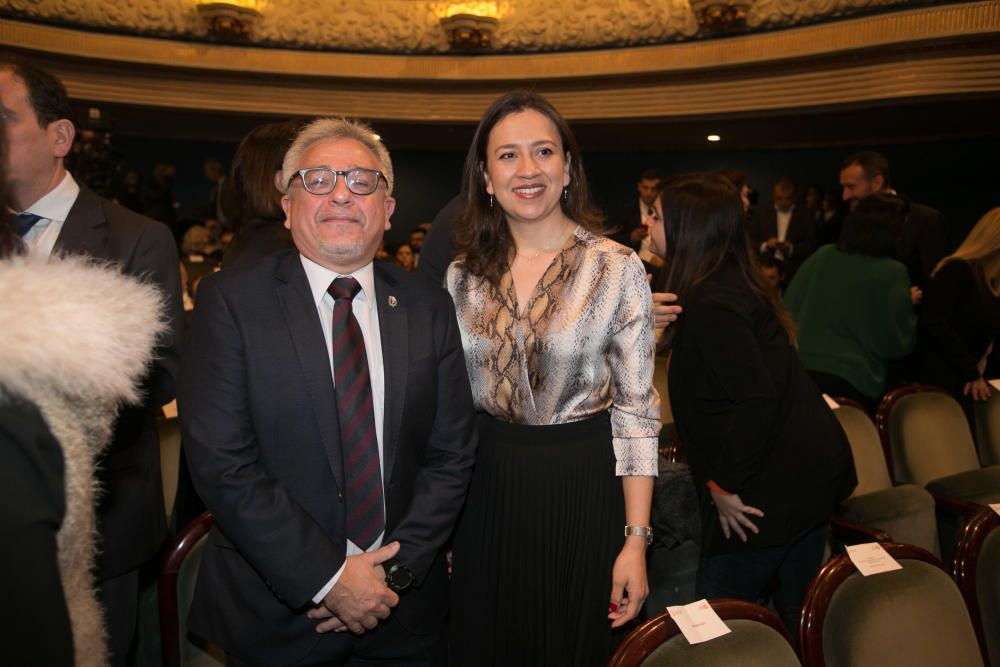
(414, 26)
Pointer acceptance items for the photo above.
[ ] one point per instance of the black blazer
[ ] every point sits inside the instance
(130, 514)
(959, 320)
(750, 418)
(32, 507)
(923, 243)
(801, 233)
(259, 419)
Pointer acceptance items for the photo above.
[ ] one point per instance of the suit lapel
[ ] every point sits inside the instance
(393, 328)
(310, 347)
(86, 228)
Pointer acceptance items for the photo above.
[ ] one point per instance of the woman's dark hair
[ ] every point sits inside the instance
(873, 227)
(481, 233)
(703, 229)
(10, 242)
(257, 159)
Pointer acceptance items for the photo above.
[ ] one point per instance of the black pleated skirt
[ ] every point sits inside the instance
(534, 548)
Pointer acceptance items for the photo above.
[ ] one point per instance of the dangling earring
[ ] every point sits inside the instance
(565, 194)
(491, 201)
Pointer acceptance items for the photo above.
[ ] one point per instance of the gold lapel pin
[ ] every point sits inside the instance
(392, 301)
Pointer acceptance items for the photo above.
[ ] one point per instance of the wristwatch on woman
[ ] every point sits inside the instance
(640, 531)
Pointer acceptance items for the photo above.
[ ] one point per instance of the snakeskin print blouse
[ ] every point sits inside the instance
(583, 344)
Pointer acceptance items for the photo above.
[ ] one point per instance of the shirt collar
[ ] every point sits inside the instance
(56, 204)
(320, 277)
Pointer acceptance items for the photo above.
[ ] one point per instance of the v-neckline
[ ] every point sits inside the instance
(534, 293)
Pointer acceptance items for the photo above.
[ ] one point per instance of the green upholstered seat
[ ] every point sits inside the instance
(758, 639)
(906, 512)
(930, 438)
(981, 485)
(913, 617)
(988, 429)
(176, 587)
(988, 593)
(977, 571)
(750, 644)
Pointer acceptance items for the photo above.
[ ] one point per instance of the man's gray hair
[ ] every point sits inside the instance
(336, 129)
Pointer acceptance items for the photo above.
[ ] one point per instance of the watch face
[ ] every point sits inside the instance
(400, 577)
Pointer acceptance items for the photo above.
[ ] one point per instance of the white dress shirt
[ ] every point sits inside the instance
(53, 208)
(365, 311)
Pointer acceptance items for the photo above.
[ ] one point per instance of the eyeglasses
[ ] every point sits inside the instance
(322, 181)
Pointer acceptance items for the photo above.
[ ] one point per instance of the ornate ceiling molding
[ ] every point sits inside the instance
(412, 26)
(932, 51)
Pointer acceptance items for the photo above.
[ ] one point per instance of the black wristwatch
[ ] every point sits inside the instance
(397, 576)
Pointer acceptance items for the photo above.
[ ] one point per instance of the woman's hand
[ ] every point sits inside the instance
(629, 587)
(978, 389)
(733, 514)
(663, 312)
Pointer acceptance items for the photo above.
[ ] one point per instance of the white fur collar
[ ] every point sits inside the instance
(75, 325)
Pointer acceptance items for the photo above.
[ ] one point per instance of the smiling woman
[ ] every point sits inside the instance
(557, 328)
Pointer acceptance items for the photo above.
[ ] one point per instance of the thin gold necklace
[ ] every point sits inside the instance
(551, 248)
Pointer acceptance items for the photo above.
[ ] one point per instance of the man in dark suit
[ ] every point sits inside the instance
(636, 217)
(328, 421)
(924, 241)
(56, 214)
(783, 230)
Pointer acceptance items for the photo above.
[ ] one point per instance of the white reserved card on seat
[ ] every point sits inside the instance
(996, 507)
(995, 384)
(829, 401)
(871, 558)
(698, 622)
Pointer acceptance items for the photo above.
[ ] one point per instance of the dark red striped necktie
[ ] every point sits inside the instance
(365, 516)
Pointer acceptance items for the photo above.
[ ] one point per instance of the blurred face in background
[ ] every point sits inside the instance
(649, 190)
(856, 185)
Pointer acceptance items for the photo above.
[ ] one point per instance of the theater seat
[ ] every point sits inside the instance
(758, 639)
(976, 568)
(913, 617)
(178, 573)
(988, 429)
(930, 444)
(906, 512)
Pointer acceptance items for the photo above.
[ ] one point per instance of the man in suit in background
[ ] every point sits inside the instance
(924, 241)
(637, 216)
(58, 215)
(328, 418)
(783, 230)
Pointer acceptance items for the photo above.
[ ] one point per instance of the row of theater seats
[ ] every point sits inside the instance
(913, 617)
(920, 476)
(922, 481)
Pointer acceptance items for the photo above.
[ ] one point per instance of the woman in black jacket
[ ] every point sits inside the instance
(961, 313)
(769, 458)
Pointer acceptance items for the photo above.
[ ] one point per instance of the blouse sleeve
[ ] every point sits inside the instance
(635, 409)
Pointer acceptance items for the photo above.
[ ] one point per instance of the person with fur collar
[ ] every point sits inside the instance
(77, 338)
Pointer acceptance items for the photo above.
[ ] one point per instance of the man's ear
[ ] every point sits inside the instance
(284, 207)
(390, 206)
(61, 134)
(878, 183)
